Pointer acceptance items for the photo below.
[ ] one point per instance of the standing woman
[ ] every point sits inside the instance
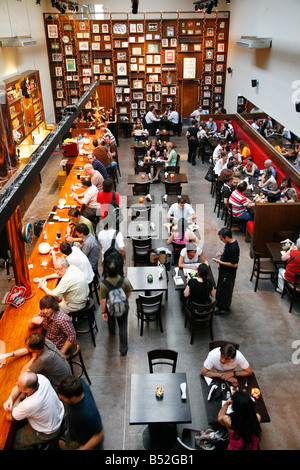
(243, 424)
(112, 124)
(192, 135)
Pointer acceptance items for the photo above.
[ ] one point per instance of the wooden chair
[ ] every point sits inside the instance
(219, 203)
(142, 169)
(173, 169)
(75, 359)
(282, 235)
(141, 250)
(141, 213)
(149, 310)
(263, 268)
(162, 356)
(86, 313)
(199, 315)
(231, 222)
(293, 289)
(177, 247)
(173, 188)
(141, 188)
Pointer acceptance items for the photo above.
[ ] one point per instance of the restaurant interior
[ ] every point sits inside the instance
(42, 158)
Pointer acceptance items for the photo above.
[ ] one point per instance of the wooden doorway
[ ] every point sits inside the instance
(105, 95)
(189, 97)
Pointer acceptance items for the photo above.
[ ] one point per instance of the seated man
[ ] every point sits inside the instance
(76, 257)
(226, 189)
(58, 326)
(181, 210)
(85, 429)
(151, 120)
(94, 175)
(88, 198)
(32, 394)
(102, 154)
(173, 119)
(77, 218)
(211, 127)
(197, 113)
(240, 204)
(112, 150)
(72, 291)
(89, 245)
(222, 362)
(269, 164)
(97, 165)
(189, 257)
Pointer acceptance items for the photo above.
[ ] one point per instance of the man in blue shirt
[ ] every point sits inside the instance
(97, 165)
(84, 424)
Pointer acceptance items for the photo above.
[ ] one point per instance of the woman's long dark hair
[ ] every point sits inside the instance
(244, 421)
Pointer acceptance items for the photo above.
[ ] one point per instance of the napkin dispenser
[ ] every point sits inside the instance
(183, 390)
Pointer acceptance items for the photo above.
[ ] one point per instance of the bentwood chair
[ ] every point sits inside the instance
(162, 357)
(149, 310)
(293, 289)
(173, 188)
(141, 250)
(141, 188)
(218, 343)
(80, 316)
(200, 315)
(262, 268)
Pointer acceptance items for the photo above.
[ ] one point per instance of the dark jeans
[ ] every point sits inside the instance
(193, 145)
(243, 219)
(123, 336)
(226, 281)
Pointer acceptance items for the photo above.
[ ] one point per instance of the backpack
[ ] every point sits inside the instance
(116, 211)
(116, 303)
(113, 253)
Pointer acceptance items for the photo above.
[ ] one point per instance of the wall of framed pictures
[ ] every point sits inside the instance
(145, 60)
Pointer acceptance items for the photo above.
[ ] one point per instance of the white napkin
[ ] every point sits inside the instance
(183, 390)
(211, 391)
(287, 240)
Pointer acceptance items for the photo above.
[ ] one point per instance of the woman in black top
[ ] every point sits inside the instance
(112, 124)
(200, 289)
(192, 135)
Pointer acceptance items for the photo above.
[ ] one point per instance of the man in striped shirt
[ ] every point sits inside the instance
(240, 204)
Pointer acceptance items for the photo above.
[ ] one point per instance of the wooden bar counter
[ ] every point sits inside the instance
(14, 322)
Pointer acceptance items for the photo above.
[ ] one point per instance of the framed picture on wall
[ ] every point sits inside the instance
(123, 110)
(169, 56)
(149, 87)
(142, 104)
(210, 32)
(104, 28)
(54, 45)
(70, 65)
(59, 94)
(207, 67)
(208, 43)
(52, 31)
(121, 55)
(122, 68)
(153, 48)
(219, 79)
(209, 53)
(149, 97)
(58, 71)
(96, 68)
(152, 26)
(95, 28)
(221, 47)
(138, 95)
(57, 57)
(219, 68)
(69, 50)
(220, 58)
(221, 36)
(59, 84)
(140, 28)
(170, 31)
(95, 46)
(83, 46)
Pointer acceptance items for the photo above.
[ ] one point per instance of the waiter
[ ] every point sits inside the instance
(228, 263)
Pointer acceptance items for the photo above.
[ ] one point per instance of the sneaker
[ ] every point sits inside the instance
(219, 311)
(278, 290)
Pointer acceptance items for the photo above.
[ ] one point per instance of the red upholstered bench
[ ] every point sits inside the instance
(249, 230)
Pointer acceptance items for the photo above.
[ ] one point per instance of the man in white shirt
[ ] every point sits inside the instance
(221, 147)
(33, 398)
(151, 119)
(76, 257)
(255, 124)
(105, 238)
(222, 362)
(181, 210)
(72, 291)
(197, 113)
(95, 176)
(88, 198)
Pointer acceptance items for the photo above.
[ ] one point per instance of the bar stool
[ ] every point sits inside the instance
(89, 313)
(94, 286)
(75, 352)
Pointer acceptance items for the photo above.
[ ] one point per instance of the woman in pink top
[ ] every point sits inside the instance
(181, 234)
(242, 423)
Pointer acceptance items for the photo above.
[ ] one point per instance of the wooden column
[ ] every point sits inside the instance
(18, 253)
(8, 158)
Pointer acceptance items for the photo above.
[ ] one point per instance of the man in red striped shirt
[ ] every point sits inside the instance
(240, 204)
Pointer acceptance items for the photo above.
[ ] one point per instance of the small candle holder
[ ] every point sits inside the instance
(172, 176)
(255, 392)
(150, 278)
(143, 177)
(159, 392)
(141, 200)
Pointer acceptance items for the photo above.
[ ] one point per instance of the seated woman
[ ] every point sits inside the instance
(169, 158)
(244, 150)
(138, 129)
(280, 192)
(291, 195)
(292, 260)
(268, 181)
(250, 168)
(242, 423)
(189, 257)
(153, 150)
(200, 289)
(182, 234)
(225, 132)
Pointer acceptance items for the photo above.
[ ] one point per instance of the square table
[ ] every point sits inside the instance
(178, 178)
(214, 405)
(275, 249)
(159, 414)
(133, 201)
(185, 279)
(173, 198)
(137, 275)
(139, 178)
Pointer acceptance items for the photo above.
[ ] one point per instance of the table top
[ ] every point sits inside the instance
(142, 144)
(275, 249)
(185, 279)
(14, 322)
(145, 408)
(172, 199)
(133, 201)
(214, 405)
(139, 178)
(178, 178)
(137, 275)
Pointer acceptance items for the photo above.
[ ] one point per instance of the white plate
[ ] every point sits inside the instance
(62, 202)
(36, 280)
(193, 227)
(44, 248)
